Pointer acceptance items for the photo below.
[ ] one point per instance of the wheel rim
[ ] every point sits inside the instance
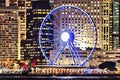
(52, 27)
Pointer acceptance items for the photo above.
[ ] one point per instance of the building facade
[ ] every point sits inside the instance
(93, 8)
(9, 37)
(22, 5)
(115, 24)
(35, 16)
(106, 24)
(31, 15)
(110, 24)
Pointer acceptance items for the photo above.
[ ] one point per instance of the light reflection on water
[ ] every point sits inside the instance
(60, 77)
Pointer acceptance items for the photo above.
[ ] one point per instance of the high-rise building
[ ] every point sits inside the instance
(30, 16)
(9, 37)
(106, 24)
(110, 24)
(22, 5)
(110, 32)
(92, 7)
(35, 16)
(115, 24)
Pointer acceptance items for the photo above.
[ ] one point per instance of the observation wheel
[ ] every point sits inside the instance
(67, 36)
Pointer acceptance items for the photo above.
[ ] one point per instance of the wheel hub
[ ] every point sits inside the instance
(67, 36)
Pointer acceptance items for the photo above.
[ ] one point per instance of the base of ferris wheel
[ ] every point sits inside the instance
(60, 66)
(64, 65)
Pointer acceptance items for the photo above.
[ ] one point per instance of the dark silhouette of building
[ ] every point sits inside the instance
(35, 16)
(2, 2)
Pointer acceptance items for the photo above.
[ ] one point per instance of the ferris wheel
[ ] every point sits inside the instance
(65, 34)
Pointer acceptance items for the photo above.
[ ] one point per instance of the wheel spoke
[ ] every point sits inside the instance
(75, 54)
(51, 46)
(47, 49)
(45, 41)
(46, 34)
(58, 19)
(49, 27)
(58, 52)
(53, 23)
(81, 36)
(54, 51)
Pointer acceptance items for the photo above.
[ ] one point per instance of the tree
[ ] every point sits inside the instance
(109, 65)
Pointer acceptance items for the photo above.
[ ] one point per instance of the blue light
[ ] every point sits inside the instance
(72, 36)
(65, 36)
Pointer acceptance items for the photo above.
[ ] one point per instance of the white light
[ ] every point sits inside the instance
(65, 36)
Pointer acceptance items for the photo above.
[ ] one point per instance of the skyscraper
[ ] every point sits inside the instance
(22, 5)
(110, 24)
(106, 24)
(116, 24)
(9, 37)
(35, 16)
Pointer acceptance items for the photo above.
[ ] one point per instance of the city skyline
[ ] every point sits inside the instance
(105, 14)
